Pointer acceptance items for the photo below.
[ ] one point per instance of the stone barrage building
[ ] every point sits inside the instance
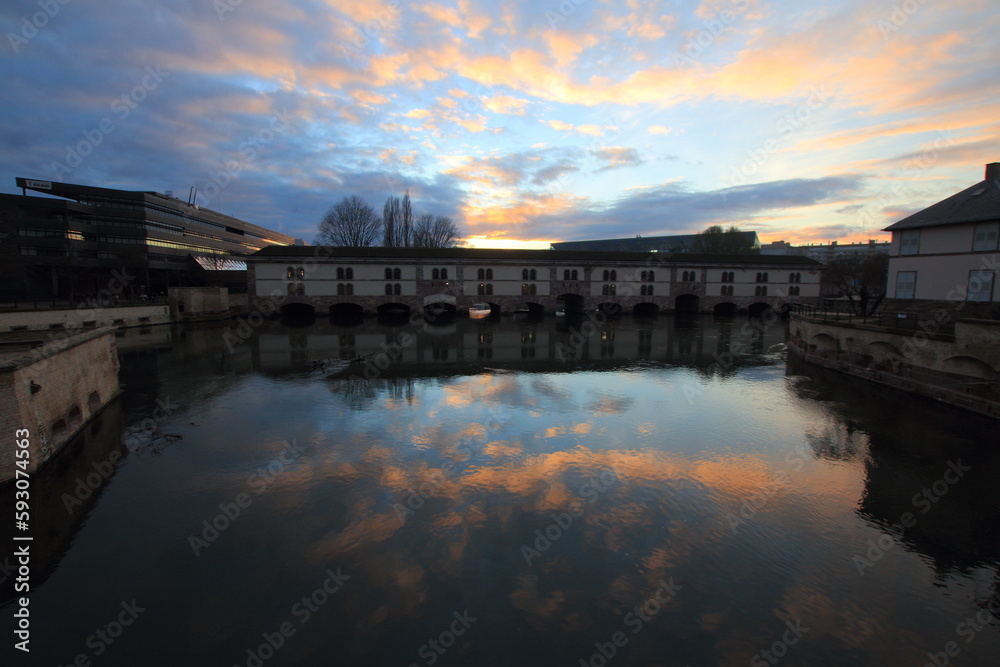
(328, 279)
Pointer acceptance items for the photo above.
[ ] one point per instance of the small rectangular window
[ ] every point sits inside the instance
(986, 236)
(980, 286)
(909, 242)
(906, 284)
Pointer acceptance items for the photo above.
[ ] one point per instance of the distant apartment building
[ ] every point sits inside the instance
(675, 243)
(825, 252)
(71, 243)
(944, 257)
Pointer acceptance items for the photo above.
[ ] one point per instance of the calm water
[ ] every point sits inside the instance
(662, 492)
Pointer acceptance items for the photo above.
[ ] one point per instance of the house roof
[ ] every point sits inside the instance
(979, 203)
(493, 254)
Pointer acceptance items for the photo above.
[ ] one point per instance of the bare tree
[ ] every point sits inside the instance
(352, 223)
(862, 279)
(435, 232)
(717, 240)
(407, 221)
(391, 221)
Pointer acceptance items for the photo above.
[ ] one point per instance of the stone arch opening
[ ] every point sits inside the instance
(609, 309)
(645, 309)
(970, 366)
(726, 309)
(347, 312)
(569, 304)
(758, 309)
(826, 343)
(687, 303)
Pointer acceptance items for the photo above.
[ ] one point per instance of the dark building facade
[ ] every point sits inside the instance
(74, 242)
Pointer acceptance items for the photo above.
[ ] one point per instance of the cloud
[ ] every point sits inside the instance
(617, 157)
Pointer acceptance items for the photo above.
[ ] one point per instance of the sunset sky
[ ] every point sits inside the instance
(523, 121)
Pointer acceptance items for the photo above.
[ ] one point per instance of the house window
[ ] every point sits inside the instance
(607, 275)
(909, 242)
(485, 288)
(566, 274)
(301, 289)
(980, 286)
(300, 272)
(435, 274)
(290, 272)
(986, 236)
(524, 274)
(397, 289)
(614, 290)
(291, 289)
(392, 274)
(481, 274)
(524, 287)
(760, 290)
(906, 284)
(575, 274)
(444, 274)
(388, 289)
(605, 289)
(794, 277)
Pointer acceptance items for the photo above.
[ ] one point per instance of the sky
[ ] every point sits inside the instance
(525, 122)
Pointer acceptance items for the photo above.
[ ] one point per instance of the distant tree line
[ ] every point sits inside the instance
(353, 222)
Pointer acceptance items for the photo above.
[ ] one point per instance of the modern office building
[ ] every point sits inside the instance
(826, 252)
(75, 241)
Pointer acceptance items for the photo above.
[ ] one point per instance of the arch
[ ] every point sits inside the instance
(439, 312)
(481, 274)
(725, 309)
(606, 275)
(444, 274)
(436, 274)
(970, 366)
(524, 274)
(569, 304)
(566, 274)
(530, 309)
(758, 309)
(609, 309)
(645, 309)
(393, 311)
(94, 402)
(882, 352)
(75, 417)
(297, 310)
(826, 343)
(687, 303)
(59, 430)
(533, 274)
(347, 312)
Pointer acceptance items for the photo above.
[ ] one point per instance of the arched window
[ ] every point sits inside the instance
(340, 273)
(350, 275)
(489, 275)
(524, 274)
(765, 279)
(291, 289)
(301, 290)
(756, 290)
(566, 274)
(489, 286)
(652, 277)
(576, 274)
(388, 273)
(397, 274)
(759, 274)
(388, 289)
(435, 274)
(614, 274)
(444, 274)
(722, 292)
(289, 272)
(524, 287)
(481, 274)
(533, 275)
(340, 289)
(642, 277)
(613, 289)
(349, 286)
(605, 289)
(300, 272)
(649, 290)
(533, 289)
(607, 275)
(397, 289)
(481, 289)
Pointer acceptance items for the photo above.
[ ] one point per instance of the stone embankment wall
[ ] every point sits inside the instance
(84, 317)
(961, 368)
(52, 390)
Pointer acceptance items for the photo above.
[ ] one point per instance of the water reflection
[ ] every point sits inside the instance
(543, 478)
